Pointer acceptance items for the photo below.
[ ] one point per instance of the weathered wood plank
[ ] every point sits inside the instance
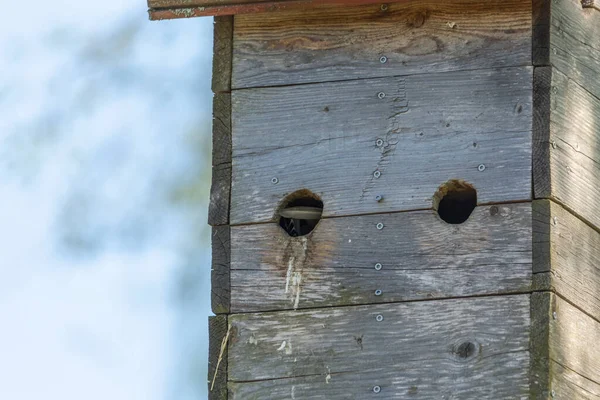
(541, 32)
(575, 43)
(415, 36)
(541, 311)
(574, 259)
(434, 128)
(421, 258)
(464, 349)
(221, 135)
(172, 9)
(573, 343)
(569, 385)
(222, 54)
(571, 174)
(220, 273)
(217, 358)
(220, 193)
(542, 98)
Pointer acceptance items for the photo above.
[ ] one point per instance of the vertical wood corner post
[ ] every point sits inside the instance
(454, 148)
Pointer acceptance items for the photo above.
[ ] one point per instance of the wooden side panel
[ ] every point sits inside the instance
(569, 385)
(462, 349)
(217, 357)
(220, 273)
(575, 260)
(474, 126)
(414, 36)
(421, 257)
(573, 346)
(575, 43)
(571, 173)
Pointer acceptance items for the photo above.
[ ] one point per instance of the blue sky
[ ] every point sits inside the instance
(104, 137)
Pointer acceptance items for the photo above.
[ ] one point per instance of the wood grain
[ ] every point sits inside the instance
(569, 385)
(220, 193)
(220, 272)
(221, 134)
(422, 257)
(217, 327)
(571, 174)
(415, 36)
(464, 349)
(222, 54)
(572, 342)
(541, 32)
(541, 315)
(574, 259)
(434, 128)
(575, 43)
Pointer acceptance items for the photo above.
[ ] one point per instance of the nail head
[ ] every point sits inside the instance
(379, 318)
(376, 389)
(481, 167)
(379, 198)
(378, 292)
(383, 59)
(381, 95)
(377, 174)
(380, 226)
(378, 267)
(274, 181)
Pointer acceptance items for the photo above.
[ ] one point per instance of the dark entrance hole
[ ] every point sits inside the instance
(300, 213)
(454, 201)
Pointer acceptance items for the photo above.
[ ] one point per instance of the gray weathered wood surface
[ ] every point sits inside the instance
(217, 327)
(421, 257)
(572, 256)
(573, 343)
(435, 127)
(222, 54)
(462, 349)
(220, 271)
(567, 150)
(416, 36)
(575, 43)
(220, 193)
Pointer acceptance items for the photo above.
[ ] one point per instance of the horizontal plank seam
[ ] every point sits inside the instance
(521, 201)
(576, 372)
(518, 66)
(501, 353)
(477, 296)
(576, 306)
(571, 211)
(337, 270)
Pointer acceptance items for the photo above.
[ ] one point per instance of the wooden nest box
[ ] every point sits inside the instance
(405, 198)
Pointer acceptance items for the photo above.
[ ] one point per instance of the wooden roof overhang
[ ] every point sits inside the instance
(172, 9)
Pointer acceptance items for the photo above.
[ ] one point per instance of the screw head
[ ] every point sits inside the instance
(384, 7)
(378, 292)
(377, 174)
(380, 226)
(383, 59)
(379, 143)
(274, 180)
(379, 318)
(379, 198)
(376, 389)
(481, 167)
(378, 267)
(381, 95)
(553, 393)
